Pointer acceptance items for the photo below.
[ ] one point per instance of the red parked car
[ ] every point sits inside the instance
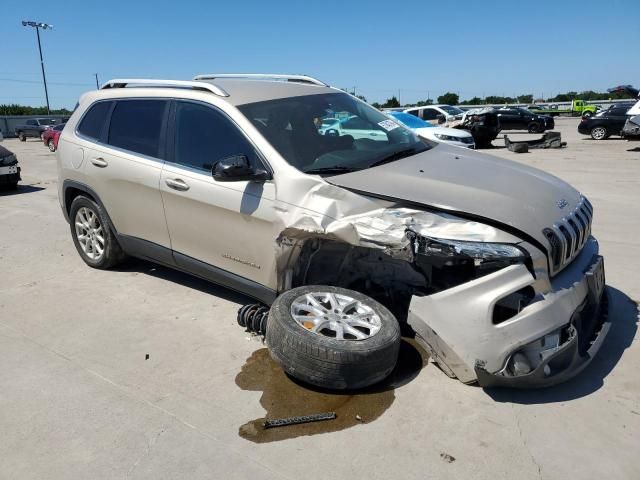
(50, 137)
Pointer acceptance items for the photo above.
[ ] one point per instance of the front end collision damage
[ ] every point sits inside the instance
(471, 329)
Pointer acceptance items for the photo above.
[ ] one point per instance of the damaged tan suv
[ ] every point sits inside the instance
(347, 236)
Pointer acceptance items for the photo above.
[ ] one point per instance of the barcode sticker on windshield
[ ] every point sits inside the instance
(388, 125)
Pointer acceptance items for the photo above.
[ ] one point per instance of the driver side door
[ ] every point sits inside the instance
(217, 229)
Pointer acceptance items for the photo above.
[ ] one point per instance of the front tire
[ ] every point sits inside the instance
(599, 133)
(22, 137)
(51, 145)
(92, 235)
(587, 115)
(332, 337)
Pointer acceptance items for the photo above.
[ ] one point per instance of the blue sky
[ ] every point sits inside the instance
(418, 47)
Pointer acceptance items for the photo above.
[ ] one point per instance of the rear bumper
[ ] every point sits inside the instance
(7, 178)
(583, 129)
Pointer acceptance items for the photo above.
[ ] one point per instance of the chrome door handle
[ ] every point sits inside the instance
(99, 162)
(176, 184)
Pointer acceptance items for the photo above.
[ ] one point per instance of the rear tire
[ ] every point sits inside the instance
(51, 145)
(92, 234)
(22, 137)
(329, 361)
(599, 133)
(534, 127)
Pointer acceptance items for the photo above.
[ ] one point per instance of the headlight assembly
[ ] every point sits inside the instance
(448, 263)
(447, 138)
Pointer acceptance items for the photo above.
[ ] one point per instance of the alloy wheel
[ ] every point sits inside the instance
(89, 233)
(335, 315)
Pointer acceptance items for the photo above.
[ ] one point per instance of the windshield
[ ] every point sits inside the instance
(451, 110)
(410, 121)
(331, 133)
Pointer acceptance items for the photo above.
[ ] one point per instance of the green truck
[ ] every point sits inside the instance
(578, 108)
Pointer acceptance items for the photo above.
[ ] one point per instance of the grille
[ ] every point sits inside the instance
(567, 236)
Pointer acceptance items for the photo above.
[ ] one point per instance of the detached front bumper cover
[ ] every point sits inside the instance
(571, 358)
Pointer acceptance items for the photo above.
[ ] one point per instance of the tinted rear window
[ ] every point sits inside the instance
(136, 126)
(92, 123)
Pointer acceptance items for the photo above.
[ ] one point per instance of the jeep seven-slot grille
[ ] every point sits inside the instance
(568, 235)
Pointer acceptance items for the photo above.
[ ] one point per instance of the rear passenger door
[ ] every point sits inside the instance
(124, 168)
(228, 225)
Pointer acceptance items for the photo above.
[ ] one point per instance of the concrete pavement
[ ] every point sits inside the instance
(79, 399)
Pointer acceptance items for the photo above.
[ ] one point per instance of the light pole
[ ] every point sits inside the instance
(38, 26)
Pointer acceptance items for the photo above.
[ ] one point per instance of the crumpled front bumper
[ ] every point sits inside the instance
(570, 358)
(459, 330)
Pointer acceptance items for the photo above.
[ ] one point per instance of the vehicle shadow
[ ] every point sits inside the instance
(624, 316)
(4, 192)
(184, 279)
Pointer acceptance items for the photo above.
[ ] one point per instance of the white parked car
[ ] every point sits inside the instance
(452, 136)
(354, 126)
(435, 113)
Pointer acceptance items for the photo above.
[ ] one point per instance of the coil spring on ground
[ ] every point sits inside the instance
(253, 318)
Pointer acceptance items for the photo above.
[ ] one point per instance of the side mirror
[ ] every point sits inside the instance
(237, 168)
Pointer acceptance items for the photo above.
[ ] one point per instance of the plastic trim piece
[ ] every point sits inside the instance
(263, 76)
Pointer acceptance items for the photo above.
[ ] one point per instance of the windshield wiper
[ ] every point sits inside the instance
(407, 152)
(333, 169)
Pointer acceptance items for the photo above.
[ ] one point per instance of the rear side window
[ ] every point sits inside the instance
(93, 121)
(430, 114)
(136, 126)
(205, 136)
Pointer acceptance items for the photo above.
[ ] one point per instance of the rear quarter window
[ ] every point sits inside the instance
(93, 122)
(136, 126)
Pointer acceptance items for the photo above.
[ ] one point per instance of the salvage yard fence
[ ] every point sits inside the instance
(8, 123)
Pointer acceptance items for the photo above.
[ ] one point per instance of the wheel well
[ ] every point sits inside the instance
(70, 194)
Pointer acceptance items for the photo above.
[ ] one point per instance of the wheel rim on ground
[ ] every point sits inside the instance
(89, 233)
(336, 316)
(598, 133)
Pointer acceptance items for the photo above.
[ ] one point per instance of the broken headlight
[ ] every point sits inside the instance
(447, 263)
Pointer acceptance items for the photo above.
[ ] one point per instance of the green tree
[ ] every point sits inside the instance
(449, 98)
(362, 97)
(528, 98)
(391, 103)
(473, 101)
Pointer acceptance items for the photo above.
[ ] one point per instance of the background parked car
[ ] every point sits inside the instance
(354, 126)
(606, 123)
(437, 113)
(9, 169)
(514, 118)
(34, 128)
(452, 136)
(51, 135)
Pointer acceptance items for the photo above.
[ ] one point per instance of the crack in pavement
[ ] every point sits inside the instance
(524, 441)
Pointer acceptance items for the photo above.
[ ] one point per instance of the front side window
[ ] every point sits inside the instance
(366, 137)
(205, 136)
(93, 121)
(136, 126)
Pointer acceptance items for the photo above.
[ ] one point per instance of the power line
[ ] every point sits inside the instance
(69, 84)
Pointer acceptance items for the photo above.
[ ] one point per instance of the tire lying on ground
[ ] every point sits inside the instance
(332, 337)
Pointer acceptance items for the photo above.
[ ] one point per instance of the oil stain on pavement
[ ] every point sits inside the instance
(283, 397)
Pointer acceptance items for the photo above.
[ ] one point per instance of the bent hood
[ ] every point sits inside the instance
(467, 182)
